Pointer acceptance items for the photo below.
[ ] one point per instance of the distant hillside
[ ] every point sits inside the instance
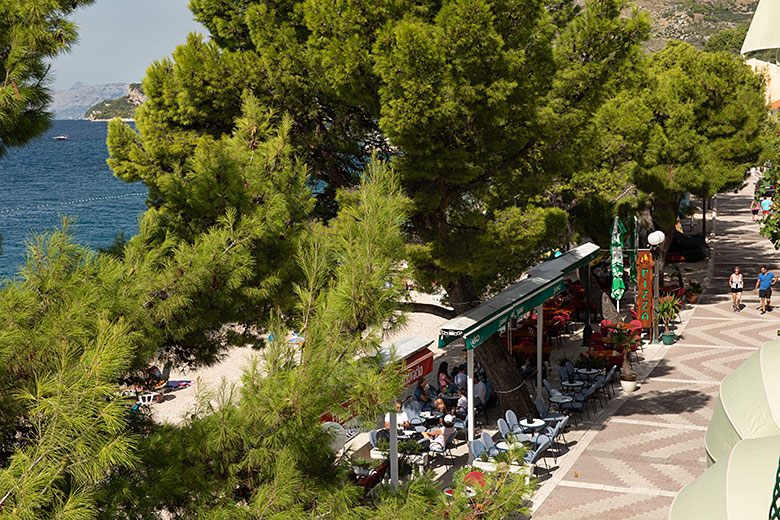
(694, 21)
(123, 107)
(71, 103)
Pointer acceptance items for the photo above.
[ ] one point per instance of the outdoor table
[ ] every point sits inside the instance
(602, 340)
(620, 325)
(588, 372)
(534, 425)
(431, 416)
(558, 400)
(574, 385)
(605, 353)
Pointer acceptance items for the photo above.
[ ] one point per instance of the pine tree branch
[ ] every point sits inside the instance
(428, 308)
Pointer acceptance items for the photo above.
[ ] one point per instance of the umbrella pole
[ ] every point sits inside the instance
(588, 330)
(394, 449)
(470, 392)
(539, 325)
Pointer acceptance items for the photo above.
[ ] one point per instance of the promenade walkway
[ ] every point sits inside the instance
(651, 443)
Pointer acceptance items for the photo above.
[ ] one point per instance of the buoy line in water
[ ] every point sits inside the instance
(70, 202)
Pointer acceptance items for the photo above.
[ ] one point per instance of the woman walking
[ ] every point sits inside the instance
(736, 284)
(754, 207)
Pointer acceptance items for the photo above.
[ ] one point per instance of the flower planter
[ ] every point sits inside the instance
(493, 466)
(628, 384)
(668, 339)
(420, 460)
(692, 297)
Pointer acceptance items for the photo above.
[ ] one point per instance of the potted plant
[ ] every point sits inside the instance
(668, 307)
(409, 451)
(512, 461)
(623, 341)
(693, 291)
(364, 467)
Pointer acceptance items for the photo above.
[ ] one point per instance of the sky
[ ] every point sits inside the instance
(119, 39)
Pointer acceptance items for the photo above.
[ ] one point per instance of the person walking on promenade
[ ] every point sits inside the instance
(754, 207)
(766, 205)
(764, 288)
(736, 284)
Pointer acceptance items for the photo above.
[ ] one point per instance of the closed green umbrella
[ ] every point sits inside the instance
(738, 487)
(748, 404)
(616, 248)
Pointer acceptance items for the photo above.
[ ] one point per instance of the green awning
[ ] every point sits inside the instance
(544, 281)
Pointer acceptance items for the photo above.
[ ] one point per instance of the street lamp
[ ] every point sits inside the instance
(655, 239)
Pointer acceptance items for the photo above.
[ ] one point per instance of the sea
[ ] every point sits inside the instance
(47, 179)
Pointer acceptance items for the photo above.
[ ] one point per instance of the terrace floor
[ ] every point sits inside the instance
(644, 447)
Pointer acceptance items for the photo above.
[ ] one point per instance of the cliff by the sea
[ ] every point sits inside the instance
(123, 107)
(72, 103)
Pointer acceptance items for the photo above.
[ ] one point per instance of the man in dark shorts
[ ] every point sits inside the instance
(764, 288)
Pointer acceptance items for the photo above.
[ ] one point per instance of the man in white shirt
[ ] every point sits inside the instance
(480, 390)
(461, 379)
(402, 421)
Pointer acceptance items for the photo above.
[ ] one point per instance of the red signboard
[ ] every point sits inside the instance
(644, 293)
(418, 365)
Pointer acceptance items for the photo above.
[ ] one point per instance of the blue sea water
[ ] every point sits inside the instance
(48, 178)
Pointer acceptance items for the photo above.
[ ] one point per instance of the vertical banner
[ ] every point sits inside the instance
(644, 293)
(616, 250)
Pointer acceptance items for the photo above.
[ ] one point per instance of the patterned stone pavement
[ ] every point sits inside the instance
(636, 460)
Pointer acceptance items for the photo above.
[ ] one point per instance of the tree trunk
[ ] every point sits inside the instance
(505, 377)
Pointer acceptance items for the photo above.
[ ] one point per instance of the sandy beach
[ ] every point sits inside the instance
(179, 403)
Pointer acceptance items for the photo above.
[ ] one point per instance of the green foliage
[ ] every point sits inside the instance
(696, 124)
(261, 448)
(32, 32)
(218, 243)
(62, 431)
(111, 108)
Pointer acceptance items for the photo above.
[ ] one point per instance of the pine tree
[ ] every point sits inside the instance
(484, 107)
(31, 33)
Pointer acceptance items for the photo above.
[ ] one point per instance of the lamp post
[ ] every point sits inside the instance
(655, 239)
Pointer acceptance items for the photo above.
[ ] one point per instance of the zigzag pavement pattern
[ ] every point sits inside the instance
(652, 445)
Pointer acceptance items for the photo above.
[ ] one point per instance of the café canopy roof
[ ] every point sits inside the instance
(763, 32)
(543, 282)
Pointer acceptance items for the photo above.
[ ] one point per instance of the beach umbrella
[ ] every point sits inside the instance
(763, 33)
(616, 248)
(748, 404)
(741, 486)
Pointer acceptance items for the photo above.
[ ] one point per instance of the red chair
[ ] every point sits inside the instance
(369, 482)
(605, 327)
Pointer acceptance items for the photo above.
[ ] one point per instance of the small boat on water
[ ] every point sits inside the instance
(61, 137)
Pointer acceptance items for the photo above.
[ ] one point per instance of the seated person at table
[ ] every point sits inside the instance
(401, 420)
(421, 394)
(463, 403)
(480, 391)
(443, 376)
(440, 406)
(441, 435)
(461, 379)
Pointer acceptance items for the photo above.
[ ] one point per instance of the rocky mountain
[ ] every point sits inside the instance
(72, 103)
(123, 107)
(694, 21)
